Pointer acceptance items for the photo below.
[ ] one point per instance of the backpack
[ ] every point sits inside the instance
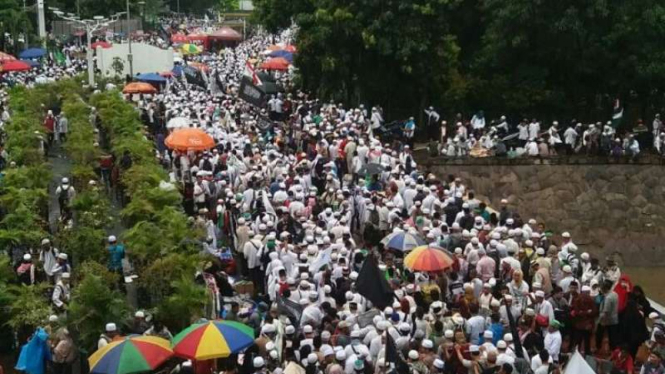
(63, 197)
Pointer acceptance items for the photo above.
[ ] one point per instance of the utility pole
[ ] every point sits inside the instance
(41, 22)
(90, 26)
(129, 41)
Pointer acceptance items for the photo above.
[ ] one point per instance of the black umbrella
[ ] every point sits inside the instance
(371, 169)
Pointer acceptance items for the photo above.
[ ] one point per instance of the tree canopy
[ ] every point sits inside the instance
(516, 57)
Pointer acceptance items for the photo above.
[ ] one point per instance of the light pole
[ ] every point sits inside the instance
(90, 26)
(129, 41)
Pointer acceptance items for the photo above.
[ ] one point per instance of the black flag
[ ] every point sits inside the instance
(393, 356)
(290, 309)
(516, 336)
(373, 285)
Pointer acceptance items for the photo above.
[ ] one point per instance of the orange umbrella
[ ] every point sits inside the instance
(4, 57)
(425, 258)
(278, 63)
(189, 139)
(290, 48)
(139, 88)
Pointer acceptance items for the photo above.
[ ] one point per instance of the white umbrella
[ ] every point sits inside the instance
(177, 122)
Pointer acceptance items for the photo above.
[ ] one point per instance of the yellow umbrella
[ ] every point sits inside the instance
(190, 49)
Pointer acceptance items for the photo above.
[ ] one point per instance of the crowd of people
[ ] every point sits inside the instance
(532, 138)
(301, 206)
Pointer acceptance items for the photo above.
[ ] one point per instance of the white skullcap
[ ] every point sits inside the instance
(307, 329)
(413, 354)
(111, 327)
(438, 363)
(340, 355)
(312, 358)
(501, 344)
(488, 334)
(427, 344)
(139, 314)
(258, 362)
(508, 337)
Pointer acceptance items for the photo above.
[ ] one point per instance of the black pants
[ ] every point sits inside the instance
(580, 337)
(256, 275)
(62, 368)
(613, 333)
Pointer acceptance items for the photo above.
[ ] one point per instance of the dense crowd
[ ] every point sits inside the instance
(532, 138)
(300, 207)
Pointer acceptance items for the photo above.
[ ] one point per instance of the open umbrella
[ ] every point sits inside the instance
(151, 77)
(190, 49)
(288, 56)
(134, 354)
(14, 65)
(4, 57)
(31, 63)
(278, 63)
(214, 339)
(139, 88)
(189, 139)
(227, 34)
(31, 53)
(426, 258)
(101, 43)
(178, 122)
(402, 241)
(371, 169)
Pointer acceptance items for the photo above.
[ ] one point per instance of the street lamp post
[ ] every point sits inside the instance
(129, 41)
(90, 26)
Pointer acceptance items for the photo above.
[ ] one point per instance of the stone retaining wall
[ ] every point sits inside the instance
(608, 208)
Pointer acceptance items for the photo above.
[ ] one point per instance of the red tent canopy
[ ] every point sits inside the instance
(179, 38)
(15, 65)
(198, 39)
(226, 33)
(278, 63)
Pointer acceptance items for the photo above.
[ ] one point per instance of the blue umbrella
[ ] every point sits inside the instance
(402, 241)
(31, 53)
(284, 54)
(151, 77)
(32, 63)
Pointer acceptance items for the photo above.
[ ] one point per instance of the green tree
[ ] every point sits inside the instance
(94, 304)
(184, 305)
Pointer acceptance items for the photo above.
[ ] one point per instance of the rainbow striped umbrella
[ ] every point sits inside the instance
(134, 354)
(214, 339)
(425, 258)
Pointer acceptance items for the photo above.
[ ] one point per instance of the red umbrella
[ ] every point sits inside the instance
(14, 65)
(103, 44)
(278, 63)
(290, 48)
(226, 33)
(6, 57)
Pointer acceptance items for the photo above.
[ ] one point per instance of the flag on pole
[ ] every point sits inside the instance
(373, 285)
(250, 72)
(59, 57)
(617, 115)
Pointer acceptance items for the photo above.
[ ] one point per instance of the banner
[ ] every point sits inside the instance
(290, 309)
(251, 93)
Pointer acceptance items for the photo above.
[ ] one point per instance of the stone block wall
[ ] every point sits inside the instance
(609, 209)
